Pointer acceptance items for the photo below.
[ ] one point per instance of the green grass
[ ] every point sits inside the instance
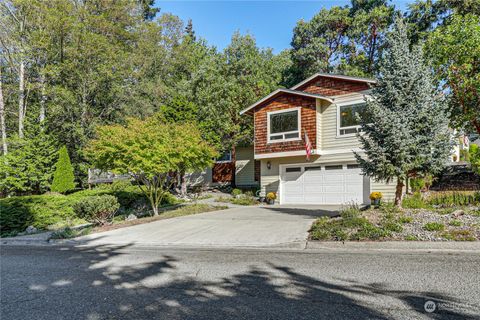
(459, 235)
(405, 219)
(454, 198)
(434, 226)
(53, 211)
(455, 223)
(243, 200)
(350, 226)
(415, 201)
(411, 237)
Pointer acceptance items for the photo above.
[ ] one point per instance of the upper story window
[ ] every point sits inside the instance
(283, 125)
(348, 123)
(225, 157)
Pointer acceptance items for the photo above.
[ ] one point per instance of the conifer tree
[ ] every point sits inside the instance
(405, 128)
(63, 178)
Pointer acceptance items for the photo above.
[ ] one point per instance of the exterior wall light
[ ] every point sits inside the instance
(269, 165)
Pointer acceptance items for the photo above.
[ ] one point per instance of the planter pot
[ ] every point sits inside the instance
(261, 199)
(376, 202)
(271, 201)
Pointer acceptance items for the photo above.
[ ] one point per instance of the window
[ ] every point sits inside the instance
(348, 122)
(337, 167)
(283, 125)
(293, 169)
(225, 157)
(312, 168)
(353, 166)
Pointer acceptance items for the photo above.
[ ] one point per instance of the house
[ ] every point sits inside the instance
(322, 107)
(243, 172)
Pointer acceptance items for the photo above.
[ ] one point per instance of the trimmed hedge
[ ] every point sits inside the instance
(42, 211)
(98, 210)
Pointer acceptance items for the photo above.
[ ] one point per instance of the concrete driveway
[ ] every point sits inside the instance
(263, 226)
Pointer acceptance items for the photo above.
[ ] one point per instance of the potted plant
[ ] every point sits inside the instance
(376, 197)
(271, 196)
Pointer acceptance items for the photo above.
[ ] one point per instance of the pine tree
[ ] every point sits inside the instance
(63, 177)
(189, 30)
(405, 128)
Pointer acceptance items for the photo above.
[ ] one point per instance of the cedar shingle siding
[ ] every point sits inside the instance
(285, 101)
(333, 87)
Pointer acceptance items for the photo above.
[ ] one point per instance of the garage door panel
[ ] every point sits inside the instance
(315, 185)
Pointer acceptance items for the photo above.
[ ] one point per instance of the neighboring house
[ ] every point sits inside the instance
(323, 107)
(244, 171)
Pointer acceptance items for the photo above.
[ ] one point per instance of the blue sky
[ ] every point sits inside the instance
(271, 22)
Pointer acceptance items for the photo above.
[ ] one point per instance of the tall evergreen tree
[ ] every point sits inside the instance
(405, 128)
(189, 30)
(63, 179)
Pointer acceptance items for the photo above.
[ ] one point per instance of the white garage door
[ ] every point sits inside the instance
(321, 184)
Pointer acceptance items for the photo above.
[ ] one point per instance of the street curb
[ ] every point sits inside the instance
(395, 246)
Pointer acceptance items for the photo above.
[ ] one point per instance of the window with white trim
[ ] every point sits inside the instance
(283, 125)
(348, 122)
(225, 157)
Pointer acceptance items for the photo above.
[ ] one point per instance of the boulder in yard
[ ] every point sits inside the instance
(31, 229)
(131, 217)
(458, 213)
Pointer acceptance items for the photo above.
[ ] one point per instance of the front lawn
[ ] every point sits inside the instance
(389, 223)
(165, 213)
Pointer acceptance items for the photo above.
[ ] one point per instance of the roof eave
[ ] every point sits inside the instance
(299, 93)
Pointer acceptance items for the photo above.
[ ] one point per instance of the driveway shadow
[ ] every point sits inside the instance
(310, 212)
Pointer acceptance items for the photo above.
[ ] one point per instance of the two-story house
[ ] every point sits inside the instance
(324, 108)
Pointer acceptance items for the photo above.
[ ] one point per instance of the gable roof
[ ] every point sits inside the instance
(290, 91)
(334, 76)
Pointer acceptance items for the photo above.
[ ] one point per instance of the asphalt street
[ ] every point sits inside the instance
(125, 282)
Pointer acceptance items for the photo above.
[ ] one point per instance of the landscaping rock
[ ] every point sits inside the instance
(30, 230)
(458, 213)
(131, 217)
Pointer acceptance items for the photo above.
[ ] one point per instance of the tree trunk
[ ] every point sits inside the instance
(399, 192)
(234, 169)
(43, 99)
(2, 118)
(21, 98)
(183, 184)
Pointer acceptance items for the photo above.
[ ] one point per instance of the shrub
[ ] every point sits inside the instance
(63, 178)
(474, 155)
(434, 226)
(454, 198)
(417, 184)
(236, 192)
(97, 209)
(17, 213)
(244, 201)
(411, 237)
(352, 211)
(414, 201)
(389, 208)
(69, 233)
